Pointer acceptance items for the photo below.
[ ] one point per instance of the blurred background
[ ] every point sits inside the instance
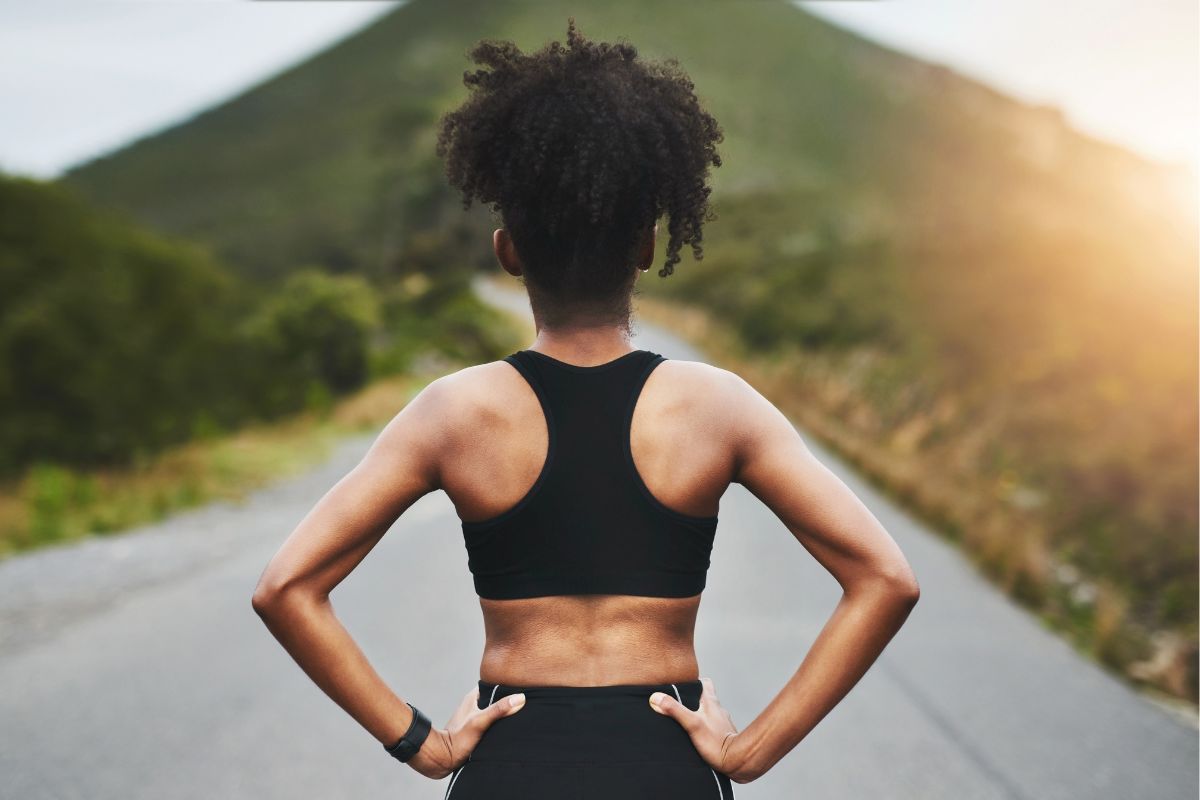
(955, 241)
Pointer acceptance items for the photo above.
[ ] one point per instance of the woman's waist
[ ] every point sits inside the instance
(549, 653)
(550, 666)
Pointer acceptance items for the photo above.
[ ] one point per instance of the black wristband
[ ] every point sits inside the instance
(413, 738)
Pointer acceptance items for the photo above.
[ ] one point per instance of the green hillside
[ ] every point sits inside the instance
(998, 313)
(323, 161)
(117, 342)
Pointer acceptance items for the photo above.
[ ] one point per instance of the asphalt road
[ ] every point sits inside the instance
(134, 667)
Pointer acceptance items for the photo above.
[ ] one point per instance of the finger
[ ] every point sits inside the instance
(510, 704)
(668, 706)
(707, 689)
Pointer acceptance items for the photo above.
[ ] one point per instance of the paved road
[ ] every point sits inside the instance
(134, 667)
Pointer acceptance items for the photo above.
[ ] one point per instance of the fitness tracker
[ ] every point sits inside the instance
(413, 738)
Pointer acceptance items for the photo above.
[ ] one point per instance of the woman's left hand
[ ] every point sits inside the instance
(445, 750)
(710, 726)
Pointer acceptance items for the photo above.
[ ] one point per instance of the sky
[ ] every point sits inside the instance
(1121, 70)
(78, 79)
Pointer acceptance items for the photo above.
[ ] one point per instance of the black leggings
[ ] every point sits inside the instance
(585, 743)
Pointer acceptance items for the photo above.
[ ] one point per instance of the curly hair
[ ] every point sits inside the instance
(581, 149)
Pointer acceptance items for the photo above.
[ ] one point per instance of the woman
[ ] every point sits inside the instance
(587, 473)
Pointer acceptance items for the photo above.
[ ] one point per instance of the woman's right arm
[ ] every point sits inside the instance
(879, 588)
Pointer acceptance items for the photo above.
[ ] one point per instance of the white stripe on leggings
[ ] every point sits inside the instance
(453, 779)
(720, 791)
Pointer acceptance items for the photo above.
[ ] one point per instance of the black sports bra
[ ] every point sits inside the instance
(588, 524)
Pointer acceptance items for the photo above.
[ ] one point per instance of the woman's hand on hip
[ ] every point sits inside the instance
(445, 750)
(710, 727)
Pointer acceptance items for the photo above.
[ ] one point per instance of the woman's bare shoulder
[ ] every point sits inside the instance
(720, 400)
(471, 390)
(713, 386)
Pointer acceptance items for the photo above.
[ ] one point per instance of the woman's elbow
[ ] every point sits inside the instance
(894, 583)
(902, 585)
(911, 592)
(276, 595)
(263, 599)
(270, 594)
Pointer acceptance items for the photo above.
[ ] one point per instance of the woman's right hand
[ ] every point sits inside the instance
(445, 750)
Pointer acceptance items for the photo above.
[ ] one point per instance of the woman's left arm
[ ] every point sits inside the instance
(292, 595)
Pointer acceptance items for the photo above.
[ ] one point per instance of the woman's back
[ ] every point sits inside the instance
(574, 623)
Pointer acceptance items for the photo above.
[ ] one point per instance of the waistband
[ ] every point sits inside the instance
(688, 691)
